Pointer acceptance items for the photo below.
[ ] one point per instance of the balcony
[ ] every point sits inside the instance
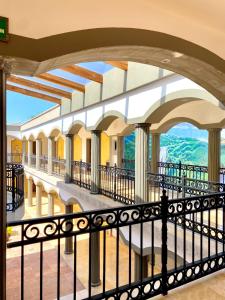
(133, 251)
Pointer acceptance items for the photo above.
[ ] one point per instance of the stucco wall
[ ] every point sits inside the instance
(113, 83)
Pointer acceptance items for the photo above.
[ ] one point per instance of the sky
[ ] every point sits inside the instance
(21, 108)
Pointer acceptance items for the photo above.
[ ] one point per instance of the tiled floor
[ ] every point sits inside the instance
(32, 277)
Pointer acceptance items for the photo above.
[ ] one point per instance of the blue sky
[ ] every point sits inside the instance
(21, 108)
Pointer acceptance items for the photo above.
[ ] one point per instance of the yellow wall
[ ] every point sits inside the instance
(60, 148)
(16, 146)
(77, 148)
(105, 148)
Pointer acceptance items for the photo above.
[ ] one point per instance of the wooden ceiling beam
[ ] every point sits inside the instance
(118, 64)
(39, 86)
(61, 81)
(20, 90)
(82, 72)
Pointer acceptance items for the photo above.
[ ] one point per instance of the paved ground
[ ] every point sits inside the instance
(32, 276)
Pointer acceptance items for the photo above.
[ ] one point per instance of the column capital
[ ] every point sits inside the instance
(50, 137)
(214, 129)
(142, 125)
(155, 133)
(6, 64)
(96, 131)
(69, 135)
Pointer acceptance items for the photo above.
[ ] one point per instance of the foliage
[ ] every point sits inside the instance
(188, 150)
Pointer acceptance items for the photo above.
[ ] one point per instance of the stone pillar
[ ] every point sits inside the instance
(140, 262)
(155, 152)
(141, 162)
(38, 200)
(4, 70)
(38, 153)
(69, 157)
(95, 259)
(95, 160)
(30, 152)
(50, 204)
(69, 240)
(214, 154)
(50, 154)
(29, 191)
(23, 152)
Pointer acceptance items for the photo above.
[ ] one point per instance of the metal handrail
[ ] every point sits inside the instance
(14, 186)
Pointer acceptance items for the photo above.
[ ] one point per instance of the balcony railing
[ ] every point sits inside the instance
(14, 158)
(33, 160)
(117, 183)
(58, 167)
(124, 250)
(44, 163)
(178, 169)
(81, 174)
(177, 187)
(14, 186)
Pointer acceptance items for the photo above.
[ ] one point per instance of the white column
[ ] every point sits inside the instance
(155, 152)
(30, 152)
(141, 161)
(38, 153)
(23, 152)
(95, 161)
(38, 200)
(29, 191)
(50, 204)
(69, 154)
(214, 154)
(50, 154)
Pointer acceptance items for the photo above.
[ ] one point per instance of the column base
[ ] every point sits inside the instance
(95, 284)
(68, 252)
(94, 193)
(140, 263)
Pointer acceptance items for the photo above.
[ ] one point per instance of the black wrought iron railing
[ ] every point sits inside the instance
(81, 174)
(14, 158)
(14, 186)
(58, 167)
(33, 160)
(124, 251)
(178, 187)
(178, 169)
(117, 183)
(44, 163)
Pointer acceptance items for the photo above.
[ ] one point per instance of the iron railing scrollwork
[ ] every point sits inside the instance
(14, 186)
(158, 230)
